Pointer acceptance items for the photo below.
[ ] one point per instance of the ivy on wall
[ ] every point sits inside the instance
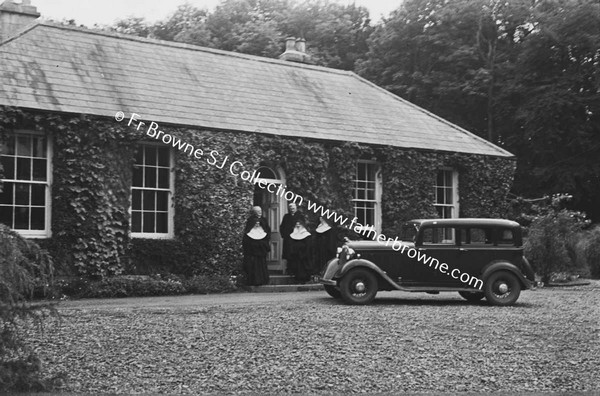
(92, 172)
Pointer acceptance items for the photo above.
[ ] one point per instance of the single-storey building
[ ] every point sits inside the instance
(86, 172)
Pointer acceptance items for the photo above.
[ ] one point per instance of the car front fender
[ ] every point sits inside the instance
(505, 266)
(362, 263)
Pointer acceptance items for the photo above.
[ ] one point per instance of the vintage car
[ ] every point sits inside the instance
(475, 257)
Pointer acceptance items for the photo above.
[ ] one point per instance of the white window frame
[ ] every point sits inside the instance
(455, 195)
(171, 210)
(46, 232)
(378, 191)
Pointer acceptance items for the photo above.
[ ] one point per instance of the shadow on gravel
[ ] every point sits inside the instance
(383, 301)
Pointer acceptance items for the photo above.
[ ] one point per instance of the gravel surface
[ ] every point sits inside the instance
(310, 343)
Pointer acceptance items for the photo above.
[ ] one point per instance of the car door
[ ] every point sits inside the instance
(481, 245)
(475, 249)
(435, 245)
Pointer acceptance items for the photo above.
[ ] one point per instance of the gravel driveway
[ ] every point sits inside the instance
(310, 343)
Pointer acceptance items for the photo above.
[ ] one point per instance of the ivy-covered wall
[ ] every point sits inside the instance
(92, 173)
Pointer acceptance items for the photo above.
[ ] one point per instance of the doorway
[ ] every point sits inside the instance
(273, 207)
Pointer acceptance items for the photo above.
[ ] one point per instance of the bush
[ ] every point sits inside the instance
(23, 265)
(202, 284)
(591, 250)
(144, 286)
(551, 244)
(133, 286)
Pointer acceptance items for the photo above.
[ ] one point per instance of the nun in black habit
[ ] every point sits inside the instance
(301, 257)
(326, 243)
(256, 246)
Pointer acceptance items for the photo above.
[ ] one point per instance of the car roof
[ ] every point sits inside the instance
(466, 222)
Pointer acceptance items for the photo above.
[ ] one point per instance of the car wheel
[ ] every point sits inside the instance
(358, 287)
(333, 291)
(471, 296)
(502, 288)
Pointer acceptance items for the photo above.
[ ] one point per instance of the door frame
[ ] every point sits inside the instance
(277, 264)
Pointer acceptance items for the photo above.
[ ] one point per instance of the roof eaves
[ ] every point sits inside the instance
(501, 152)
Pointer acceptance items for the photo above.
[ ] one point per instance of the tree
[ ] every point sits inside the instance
(22, 265)
(449, 57)
(555, 94)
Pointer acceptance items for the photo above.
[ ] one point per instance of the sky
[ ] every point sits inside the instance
(106, 12)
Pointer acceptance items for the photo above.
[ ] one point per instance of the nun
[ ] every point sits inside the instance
(326, 243)
(300, 262)
(256, 246)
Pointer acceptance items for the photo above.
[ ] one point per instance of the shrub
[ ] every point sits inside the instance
(144, 286)
(202, 284)
(23, 265)
(133, 286)
(591, 248)
(551, 242)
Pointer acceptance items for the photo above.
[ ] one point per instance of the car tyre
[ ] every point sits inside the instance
(502, 288)
(333, 291)
(358, 287)
(471, 296)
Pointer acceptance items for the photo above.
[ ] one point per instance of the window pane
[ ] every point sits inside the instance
(136, 222)
(23, 169)
(6, 215)
(21, 194)
(39, 147)
(148, 203)
(505, 237)
(10, 146)
(24, 146)
(21, 218)
(439, 197)
(39, 169)
(148, 222)
(38, 194)
(137, 176)
(440, 178)
(9, 167)
(448, 178)
(136, 200)
(478, 235)
(163, 156)
(150, 155)
(163, 178)
(150, 177)
(449, 196)
(266, 173)
(6, 196)
(38, 218)
(162, 201)
(161, 223)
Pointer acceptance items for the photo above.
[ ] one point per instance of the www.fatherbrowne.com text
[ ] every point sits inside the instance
(237, 169)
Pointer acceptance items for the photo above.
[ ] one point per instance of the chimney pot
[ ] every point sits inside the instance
(290, 43)
(301, 45)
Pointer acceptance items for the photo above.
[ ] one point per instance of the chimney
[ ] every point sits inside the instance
(295, 51)
(15, 16)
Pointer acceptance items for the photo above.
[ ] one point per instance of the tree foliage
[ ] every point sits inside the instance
(336, 34)
(23, 265)
(523, 74)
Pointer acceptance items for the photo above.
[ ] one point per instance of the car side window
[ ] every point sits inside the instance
(476, 236)
(506, 237)
(438, 236)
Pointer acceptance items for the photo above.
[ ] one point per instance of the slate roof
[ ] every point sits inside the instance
(73, 70)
